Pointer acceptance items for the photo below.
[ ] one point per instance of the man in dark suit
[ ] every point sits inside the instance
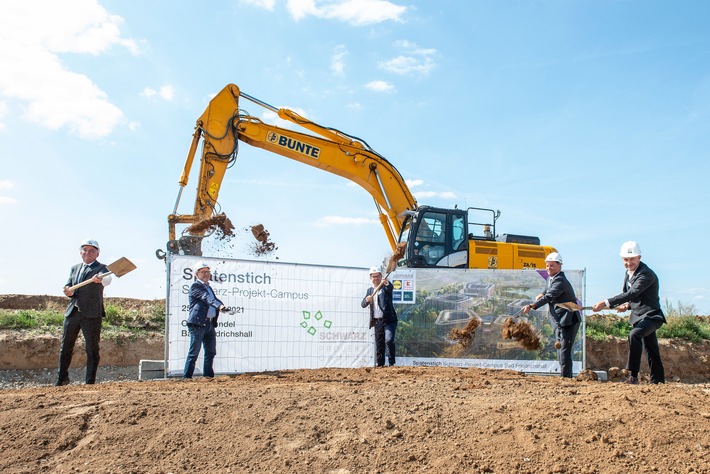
(85, 311)
(382, 316)
(204, 309)
(640, 295)
(564, 322)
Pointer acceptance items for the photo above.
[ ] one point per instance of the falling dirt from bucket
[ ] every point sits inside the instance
(465, 336)
(263, 245)
(522, 332)
(219, 224)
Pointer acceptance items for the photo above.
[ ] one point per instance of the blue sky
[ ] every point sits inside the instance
(587, 123)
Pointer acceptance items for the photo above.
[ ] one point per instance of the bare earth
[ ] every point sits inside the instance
(400, 419)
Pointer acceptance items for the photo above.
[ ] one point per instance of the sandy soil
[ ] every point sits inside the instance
(397, 420)
(358, 420)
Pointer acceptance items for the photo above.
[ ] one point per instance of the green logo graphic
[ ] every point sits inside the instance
(309, 322)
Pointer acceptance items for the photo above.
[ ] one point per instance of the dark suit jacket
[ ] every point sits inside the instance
(89, 298)
(200, 299)
(641, 292)
(559, 291)
(384, 300)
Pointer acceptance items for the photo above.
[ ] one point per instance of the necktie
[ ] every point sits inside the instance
(82, 273)
(211, 311)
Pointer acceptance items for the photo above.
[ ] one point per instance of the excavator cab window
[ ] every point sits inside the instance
(458, 233)
(430, 240)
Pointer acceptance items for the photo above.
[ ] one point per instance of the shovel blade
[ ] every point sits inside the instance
(121, 266)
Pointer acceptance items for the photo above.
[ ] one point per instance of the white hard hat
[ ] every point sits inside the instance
(91, 242)
(554, 257)
(375, 270)
(199, 266)
(630, 249)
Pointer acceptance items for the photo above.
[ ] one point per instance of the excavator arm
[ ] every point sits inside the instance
(221, 127)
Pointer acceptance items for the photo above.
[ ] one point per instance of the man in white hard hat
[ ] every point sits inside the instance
(84, 312)
(383, 317)
(640, 295)
(564, 322)
(203, 310)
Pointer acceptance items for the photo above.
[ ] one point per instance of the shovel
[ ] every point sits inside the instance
(119, 268)
(515, 316)
(572, 306)
(392, 264)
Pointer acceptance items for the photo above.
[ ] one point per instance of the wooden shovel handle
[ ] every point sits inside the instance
(86, 282)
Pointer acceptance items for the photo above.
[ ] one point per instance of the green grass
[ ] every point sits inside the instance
(118, 320)
(690, 328)
(151, 319)
(30, 319)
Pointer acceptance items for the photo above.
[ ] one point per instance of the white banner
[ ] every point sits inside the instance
(286, 316)
(292, 316)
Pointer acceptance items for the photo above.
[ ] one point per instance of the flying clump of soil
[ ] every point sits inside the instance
(264, 245)
(465, 336)
(522, 332)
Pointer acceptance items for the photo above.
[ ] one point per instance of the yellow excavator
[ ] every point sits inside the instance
(435, 237)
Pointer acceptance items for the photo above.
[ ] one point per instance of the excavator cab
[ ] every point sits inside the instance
(435, 237)
(465, 238)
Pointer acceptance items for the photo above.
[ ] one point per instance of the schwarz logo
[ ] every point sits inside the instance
(310, 321)
(293, 145)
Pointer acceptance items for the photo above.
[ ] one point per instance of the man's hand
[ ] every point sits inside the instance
(368, 298)
(67, 291)
(622, 307)
(599, 306)
(526, 309)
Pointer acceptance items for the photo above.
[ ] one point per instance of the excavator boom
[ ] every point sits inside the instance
(222, 125)
(426, 236)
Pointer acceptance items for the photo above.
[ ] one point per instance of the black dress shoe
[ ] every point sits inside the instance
(631, 380)
(62, 382)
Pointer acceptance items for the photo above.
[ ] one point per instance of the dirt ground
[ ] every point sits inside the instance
(388, 420)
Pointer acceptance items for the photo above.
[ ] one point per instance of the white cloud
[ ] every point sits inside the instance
(379, 86)
(32, 35)
(3, 113)
(166, 92)
(355, 12)
(7, 184)
(265, 4)
(412, 48)
(408, 65)
(339, 220)
(337, 61)
(272, 118)
(414, 182)
(433, 194)
(416, 60)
